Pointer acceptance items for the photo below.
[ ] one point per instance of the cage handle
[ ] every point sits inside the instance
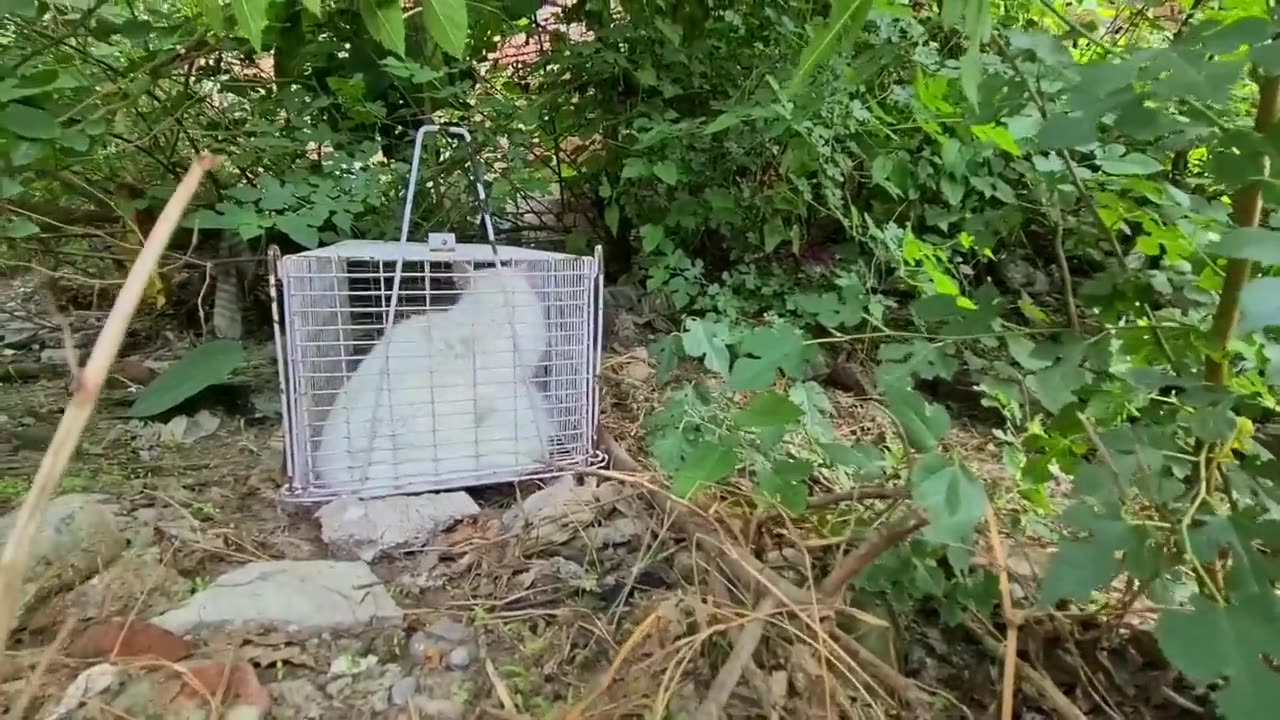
(477, 179)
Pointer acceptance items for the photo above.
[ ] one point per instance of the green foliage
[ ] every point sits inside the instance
(207, 364)
(791, 177)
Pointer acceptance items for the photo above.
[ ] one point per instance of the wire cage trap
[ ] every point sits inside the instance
(416, 367)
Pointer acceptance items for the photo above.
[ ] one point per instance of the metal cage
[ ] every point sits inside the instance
(402, 370)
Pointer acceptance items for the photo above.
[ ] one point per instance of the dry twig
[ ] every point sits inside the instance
(16, 556)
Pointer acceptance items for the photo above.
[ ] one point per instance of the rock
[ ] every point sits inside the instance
(438, 709)
(555, 513)
(459, 658)
(614, 532)
(436, 644)
(133, 371)
(403, 689)
(205, 679)
(638, 370)
(361, 529)
(451, 630)
(138, 639)
(90, 683)
(307, 596)
(296, 700)
(77, 537)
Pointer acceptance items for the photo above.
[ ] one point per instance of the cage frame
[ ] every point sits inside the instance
(300, 473)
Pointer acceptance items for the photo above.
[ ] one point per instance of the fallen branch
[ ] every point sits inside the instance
(743, 650)
(881, 672)
(1038, 682)
(87, 386)
(857, 560)
(831, 588)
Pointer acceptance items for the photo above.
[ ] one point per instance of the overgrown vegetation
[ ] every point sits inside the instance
(1063, 209)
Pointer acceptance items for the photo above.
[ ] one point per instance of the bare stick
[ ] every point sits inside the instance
(1011, 617)
(88, 384)
(1064, 273)
(727, 679)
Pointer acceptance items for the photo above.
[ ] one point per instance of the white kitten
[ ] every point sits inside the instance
(445, 392)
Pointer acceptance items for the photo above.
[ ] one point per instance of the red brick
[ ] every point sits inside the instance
(140, 639)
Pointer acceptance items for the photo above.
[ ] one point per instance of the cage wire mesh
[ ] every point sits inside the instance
(412, 367)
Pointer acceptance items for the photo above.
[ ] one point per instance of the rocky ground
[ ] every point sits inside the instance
(170, 580)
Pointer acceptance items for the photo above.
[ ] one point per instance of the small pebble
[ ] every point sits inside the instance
(403, 689)
(438, 709)
(450, 630)
(460, 658)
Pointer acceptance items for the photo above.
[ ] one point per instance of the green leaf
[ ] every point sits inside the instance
(1213, 424)
(29, 122)
(611, 218)
(786, 482)
(1061, 131)
(1266, 57)
(251, 18)
(384, 20)
(447, 22)
(1260, 305)
(18, 227)
(923, 422)
(774, 234)
(724, 122)
(951, 497)
(667, 172)
(1057, 385)
(766, 351)
(635, 167)
(709, 463)
(302, 228)
(844, 24)
(1131, 164)
(1022, 350)
(203, 366)
(1213, 641)
(1238, 33)
(22, 8)
(705, 339)
(312, 6)
(865, 458)
(651, 236)
(1077, 569)
(1253, 243)
(213, 14)
(971, 72)
(768, 409)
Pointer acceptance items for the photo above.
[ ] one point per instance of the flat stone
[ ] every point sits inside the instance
(403, 689)
(77, 537)
(360, 529)
(555, 513)
(306, 596)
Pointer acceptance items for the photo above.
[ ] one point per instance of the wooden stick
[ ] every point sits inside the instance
(87, 386)
(1011, 617)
